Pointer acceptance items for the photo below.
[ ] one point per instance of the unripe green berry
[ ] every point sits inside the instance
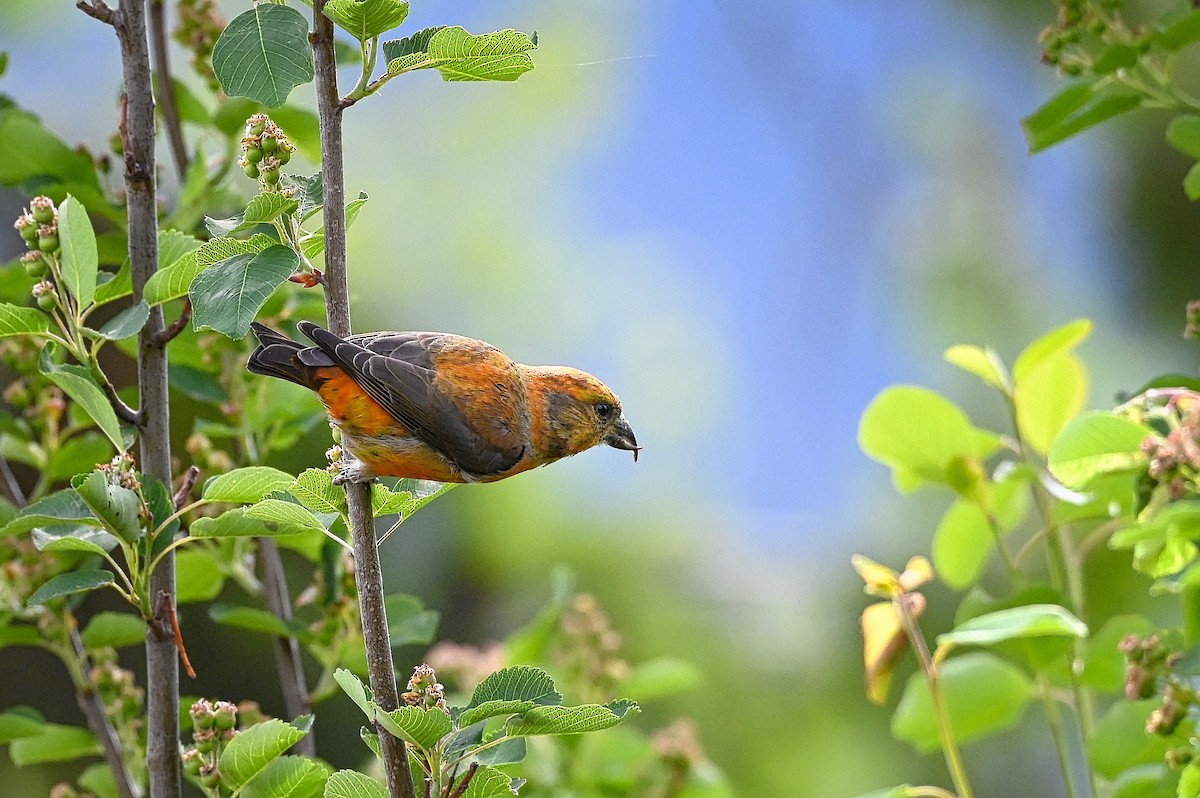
(251, 170)
(254, 154)
(43, 212)
(284, 155)
(192, 761)
(226, 716)
(47, 301)
(48, 243)
(271, 176)
(30, 233)
(256, 128)
(269, 143)
(36, 268)
(210, 777)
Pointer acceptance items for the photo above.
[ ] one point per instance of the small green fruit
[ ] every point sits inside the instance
(30, 233)
(269, 143)
(36, 268)
(254, 155)
(284, 155)
(251, 171)
(271, 176)
(43, 214)
(47, 301)
(48, 243)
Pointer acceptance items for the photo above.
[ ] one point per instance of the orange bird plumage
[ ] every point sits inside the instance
(443, 407)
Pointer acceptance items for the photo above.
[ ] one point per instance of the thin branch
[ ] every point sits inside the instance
(123, 411)
(92, 707)
(166, 88)
(185, 487)
(10, 482)
(462, 785)
(172, 330)
(287, 649)
(98, 9)
(167, 601)
(367, 573)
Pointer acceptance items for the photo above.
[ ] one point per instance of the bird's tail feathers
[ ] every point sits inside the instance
(276, 357)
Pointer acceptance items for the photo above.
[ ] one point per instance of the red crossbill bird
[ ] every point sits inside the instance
(443, 407)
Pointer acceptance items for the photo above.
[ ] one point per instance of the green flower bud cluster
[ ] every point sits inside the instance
(1083, 30)
(213, 726)
(200, 25)
(120, 472)
(425, 691)
(38, 227)
(265, 149)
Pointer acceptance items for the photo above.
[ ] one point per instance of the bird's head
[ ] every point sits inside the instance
(580, 412)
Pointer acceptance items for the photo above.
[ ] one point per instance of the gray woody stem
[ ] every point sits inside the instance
(287, 650)
(367, 573)
(93, 709)
(137, 134)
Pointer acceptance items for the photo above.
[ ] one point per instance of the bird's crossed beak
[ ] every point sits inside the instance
(621, 437)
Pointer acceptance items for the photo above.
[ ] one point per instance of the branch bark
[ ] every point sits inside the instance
(287, 650)
(166, 88)
(92, 707)
(137, 130)
(367, 573)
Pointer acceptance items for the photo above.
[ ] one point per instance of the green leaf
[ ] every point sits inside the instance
(491, 783)
(1180, 33)
(1145, 781)
(1120, 740)
(16, 320)
(1047, 396)
(1114, 57)
(983, 363)
(68, 583)
(251, 619)
(117, 507)
(127, 323)
(55, 744)
(1096, 443)
(366, 19)
(288, 777)
(64, 506)
(1017, 623)
(352, 784)
(1189, 781)
(249, 753)
(983, 694)
(313, 244)
(660, 677)
(1104, 664)
(1191, 182)
(198, 576)
(921, 435)
(409, 496)
(178, 267)
(113, 629)
(286, 515)
(74, 538)
(314, 489)
(1074, 110)
(459, 55)
(510, 690)
(416, 725)
(221, 249)
(409, 623)
(79, 261)
(110, 287)
(15, 725)
(962, 544)
(246, 485)
(263, 54)
(263, 208)
(81, 453)
(1184, 134)
(1053, 344)
(77, 383)
(357, 691)
(228, 295)
(32, 151)
(571, 720)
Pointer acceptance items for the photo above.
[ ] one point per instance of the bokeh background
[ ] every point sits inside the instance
(748, 218)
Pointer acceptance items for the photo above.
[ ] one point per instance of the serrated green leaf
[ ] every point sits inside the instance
(288, 777)
(117, 507)
(352, 784)
(508, 688)
(357, 691)
(47, 540)
(366, 19)
(314, 489)
(416, 725)
(236, 523)
(286, 515)
(173, 281)
(263, 54)
(220, 249)
(61, 507)
(263, 208)
(79, 261)
(1016, 623)
(252, 750)
(16, 320)
(490, 783)
(983, 694)
(459, 55)
(68, 583)
(571, 720)
(127, 323)
(77, 383)
(246, 485)
(1096, 443)
(228, 295)
(113, 630)
(56, 743)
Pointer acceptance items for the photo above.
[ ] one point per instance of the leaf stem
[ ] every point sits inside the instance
(1058, 732)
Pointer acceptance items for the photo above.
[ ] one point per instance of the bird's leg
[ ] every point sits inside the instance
(352, 470)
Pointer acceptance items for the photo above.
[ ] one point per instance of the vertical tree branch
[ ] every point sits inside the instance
(367, 573)
(287, 649)
(166, 88)
(92, 707)
(137, 134)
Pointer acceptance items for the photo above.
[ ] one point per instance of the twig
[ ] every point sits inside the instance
(462, 785)
(180, 324)
(92, 707)
(185, 487)
(166, 88)
(287, 649)
(166, 605)
(123, 411)
(10, 482)
(137, 137)
(367, 573)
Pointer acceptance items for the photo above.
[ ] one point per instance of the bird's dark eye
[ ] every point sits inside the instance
(604, 410)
